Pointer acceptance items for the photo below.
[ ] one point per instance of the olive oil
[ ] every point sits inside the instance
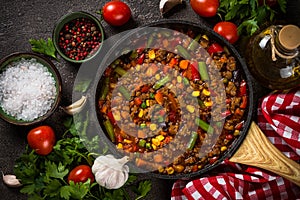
(273, 57)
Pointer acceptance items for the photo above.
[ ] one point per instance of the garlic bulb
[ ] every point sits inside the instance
(11, 180)
(75, 107)
(110, 172)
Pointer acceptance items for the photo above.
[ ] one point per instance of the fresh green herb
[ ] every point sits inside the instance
(143, 188)
(44, 47)
(250, 14)
(45, 177)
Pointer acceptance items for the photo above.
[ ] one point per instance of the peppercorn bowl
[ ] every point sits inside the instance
(30, 88)
(78, 36)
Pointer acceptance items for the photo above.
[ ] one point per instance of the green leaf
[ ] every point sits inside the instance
(143, 189)
(282, 5)
(114, 195)
(65, 192)
(28, 189)
(131, 179)
(52, 170)
(79, 190)
(53, 188)
(44, 47)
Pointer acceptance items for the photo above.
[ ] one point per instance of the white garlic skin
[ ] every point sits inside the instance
(11, 180)
(110, 172)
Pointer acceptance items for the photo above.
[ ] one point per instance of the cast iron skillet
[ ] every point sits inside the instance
(242, 73)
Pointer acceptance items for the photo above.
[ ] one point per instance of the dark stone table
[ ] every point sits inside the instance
(22, 20)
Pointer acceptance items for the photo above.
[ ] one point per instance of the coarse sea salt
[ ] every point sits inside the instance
(27, 89)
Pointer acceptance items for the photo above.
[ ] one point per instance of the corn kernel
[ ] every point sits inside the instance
(154, 147)
(179, 79)
(206, 92)
(119, 146)
(153, 127)
(170, 170)
(157, 76)
(152, 54)
(236, 133)
(160, 137)
(138, 67)
(208, 103)
(127, 141)
(141, 113)
(117, 115)
(147, 102)
(155, 141)
(223, 148)
(190, 108)
(205, 37)
(196, 93)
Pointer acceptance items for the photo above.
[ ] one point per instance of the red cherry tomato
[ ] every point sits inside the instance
(205, 8)
(81, 173)
(215, 48)
(41, 139)
(228, 30)
(116, 13)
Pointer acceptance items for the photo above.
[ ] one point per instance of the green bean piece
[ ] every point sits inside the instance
(186, 81)
(184, 53)
(161, 82)
(104, 88)
(203, 71)
(192, 141)
(201, 103)
(110, 130)
(134, 54)
(120, 71)
(125, 92)
(203, 125)
(143, 105)
(194, 43)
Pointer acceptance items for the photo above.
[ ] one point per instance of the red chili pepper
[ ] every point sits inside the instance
(215, 48)
(239, 112)
(111, 117)
(244, 102)
(239, 126)
(243, 88)
(228, 101)
(141, 59)
(194, 70)
(195, 168)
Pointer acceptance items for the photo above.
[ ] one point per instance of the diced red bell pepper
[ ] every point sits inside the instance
(243, 88)
(244, 102)
(215, 48)
(137, 101)
(173, 62)
(195, 71)
(119, 138)
(140, 59)
(226, 113)
(140, 50)
(145, 88)
(111, 117)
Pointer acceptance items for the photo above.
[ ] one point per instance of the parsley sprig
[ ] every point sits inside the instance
(44, 47)
(45, 177)
(249, 13)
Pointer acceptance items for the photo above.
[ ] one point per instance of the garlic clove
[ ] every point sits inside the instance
(167, 5)
(76, 107)
(110, 172)
(11, 180)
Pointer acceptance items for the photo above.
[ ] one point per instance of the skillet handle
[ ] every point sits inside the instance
(256, 150)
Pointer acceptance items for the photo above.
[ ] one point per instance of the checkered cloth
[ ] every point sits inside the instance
(279, 119)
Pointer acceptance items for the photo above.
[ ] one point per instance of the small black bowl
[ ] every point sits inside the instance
(16, 57)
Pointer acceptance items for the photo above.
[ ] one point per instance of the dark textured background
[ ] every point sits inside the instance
(22, 20)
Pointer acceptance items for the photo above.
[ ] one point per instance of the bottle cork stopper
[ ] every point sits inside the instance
(289, 37)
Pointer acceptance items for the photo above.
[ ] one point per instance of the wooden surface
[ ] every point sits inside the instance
(256, 150)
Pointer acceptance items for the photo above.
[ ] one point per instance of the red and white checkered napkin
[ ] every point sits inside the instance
(279, 119)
